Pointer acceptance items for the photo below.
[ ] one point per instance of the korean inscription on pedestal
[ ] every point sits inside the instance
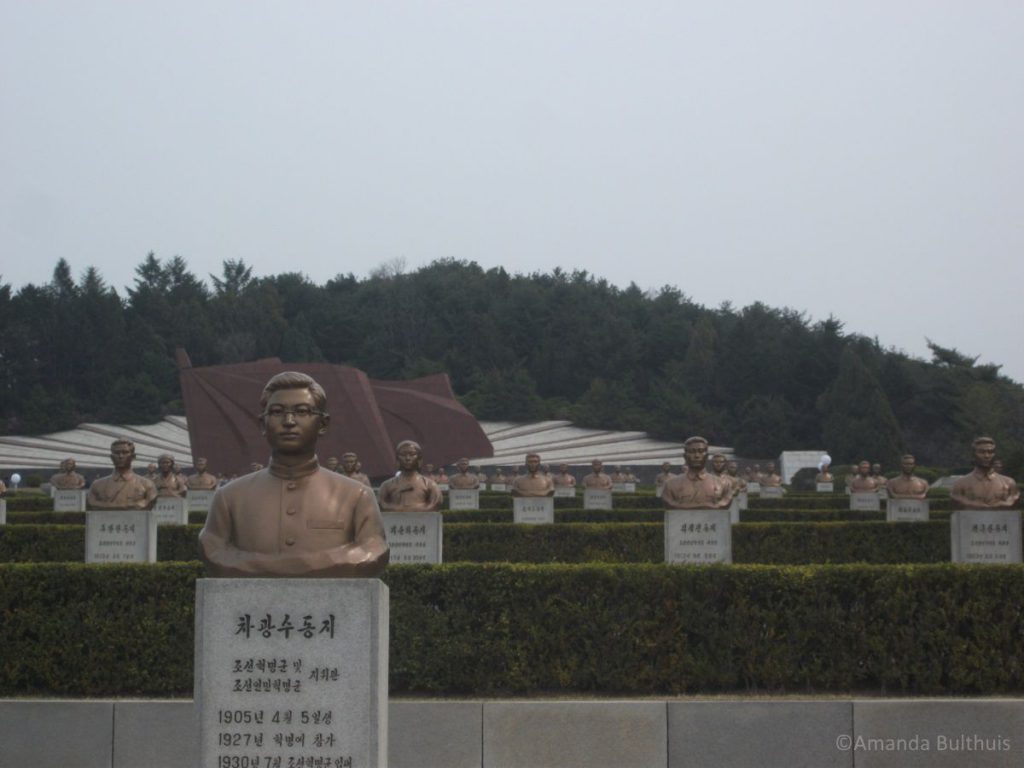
(698, 536)
(988, 537)
(597, 498)
(414, 537)
(824, 487)
(867, 501)
(906, 510)
(565, 492)
(199, 501)
(533, 510)
(171, 510)
(120, 536)
(69, 501)
(464, 498)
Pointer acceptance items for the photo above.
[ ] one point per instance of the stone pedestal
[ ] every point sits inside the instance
(565, 492)
(658, 489)
(744, 500)
(120, 536)
(3, 512)
(734, 510)
(443, 487)
(499, 487)
(533, 511)
(906, 510)
(464, 498)
(618, 487)
(69, 501)
(597, 498)
(199, 501)
(824, 487)
(754, 489)
(291, 671)
(985, 536)
(772, 491)
(698, 536)
(867, 501)
(414, 537)
(171, 510)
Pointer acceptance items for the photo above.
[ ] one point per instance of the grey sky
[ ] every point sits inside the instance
(862, 159)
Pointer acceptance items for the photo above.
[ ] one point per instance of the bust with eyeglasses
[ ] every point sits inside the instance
(294, 518)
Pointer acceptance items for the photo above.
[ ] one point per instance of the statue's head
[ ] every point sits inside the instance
(532, 463)
(69, 465)
(165, 462)
(462, 465)
(332, 464)
(349, 463)
(408, 453)
(695, 450)
(122, 453)
(597, 465)
(732, 468)
(718, 463)
(984, 449)
(907, 463)
(200, 465)
(294, 413)
(864, 468)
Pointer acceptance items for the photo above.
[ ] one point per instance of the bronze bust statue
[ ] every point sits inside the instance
(295, 518)
(67, 479)
(718, 471)
(350, 468)
(409, 491)
(984, 488)
(863, 482)
(122, 489)
(202, 480)
(770, 478)
(597, 478)
(463, 479)
(168, 482)
(533, 483)
(695, 488)
(876, 473)
(907, 486)
(564, 479)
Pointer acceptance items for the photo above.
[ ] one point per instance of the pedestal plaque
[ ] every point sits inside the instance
(734, 510)
(744, 501)
(414, 537)
(69, 501)
(824, 487)
(618, 487)
(464, 498)
(533, 511)
(443, 487)
(698, 536)
(630, 487)
(499, 487)
(291, 672)
(199, 501)
(986, 536)
(120, 536)
(658, 489)
(754, 489)
(171, 510)
(3, 511)
(867, 501)
(772, 491)
(565, 492)
(883, 493)
(906, 510)
(597, 498)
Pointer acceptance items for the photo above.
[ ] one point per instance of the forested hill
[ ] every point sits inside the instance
(517, 347)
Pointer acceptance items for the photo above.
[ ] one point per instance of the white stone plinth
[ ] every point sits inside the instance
(443, 487)
(69, 501)
(464, 498)
(597, 498)
(120, 536)
(499, 487)
(772, 492)
(906, 510)
(658, 490)
(199, 501)
(414, 537)
(565, 492)
(171, 510)
(295, 669)
(824, 487)
(698, 536)
(744, 500)
(754, 489)
(866, 501)
(734, 509)
(985, 536)
(533, 510)
(3, 512)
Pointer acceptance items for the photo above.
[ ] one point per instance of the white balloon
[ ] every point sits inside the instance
(15, 478)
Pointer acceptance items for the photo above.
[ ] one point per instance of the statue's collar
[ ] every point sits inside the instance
(293, 471)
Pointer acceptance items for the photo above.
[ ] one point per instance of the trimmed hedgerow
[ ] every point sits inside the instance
(487, 630)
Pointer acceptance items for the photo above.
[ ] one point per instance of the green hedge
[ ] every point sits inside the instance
(768, 543)
(491, 630)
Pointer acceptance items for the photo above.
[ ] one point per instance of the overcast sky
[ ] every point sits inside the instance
(860, 159)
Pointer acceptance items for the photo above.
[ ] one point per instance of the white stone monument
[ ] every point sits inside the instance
(753, 489)
(985, 536)
(906, 510)
(866, 501)
(824, 487)
(499, 487)
(171, 510)
(734, 509)
(120, 536)
(744, 500)
(199, 501)
(698, 536)
(69, 501)
(565, 492)
(414, 537)
(291, 672)
(772, 491)
(464, 498)
(597, 498)
(533, 510)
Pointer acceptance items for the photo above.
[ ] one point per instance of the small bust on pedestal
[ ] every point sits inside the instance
(876, 474)
(907, 486)
(597, 478)
(463, 479)
(350, 468)
(67, 479)
(168, 482)
(533, 483)
(823, 476)
(770, 479)
(863, 482)
(202, 480)
(984, 488)
(696, 488)
(122, 489)
(409, 491)
(563, 479)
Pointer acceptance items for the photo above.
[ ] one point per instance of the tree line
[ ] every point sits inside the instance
(563, 345)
